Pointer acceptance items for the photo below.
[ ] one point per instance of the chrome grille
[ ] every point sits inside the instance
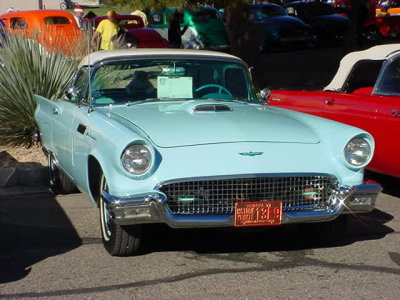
(219, 196)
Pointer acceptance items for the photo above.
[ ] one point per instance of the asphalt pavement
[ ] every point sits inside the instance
(51, 249)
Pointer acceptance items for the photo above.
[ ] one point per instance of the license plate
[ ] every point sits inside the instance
(258, 213)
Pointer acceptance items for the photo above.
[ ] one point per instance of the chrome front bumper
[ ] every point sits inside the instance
(151, 208)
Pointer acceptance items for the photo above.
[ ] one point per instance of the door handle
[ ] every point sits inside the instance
(330, 101)
(56, 111)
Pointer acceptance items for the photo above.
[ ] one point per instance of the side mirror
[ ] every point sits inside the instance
(71, 93)
(264, 93)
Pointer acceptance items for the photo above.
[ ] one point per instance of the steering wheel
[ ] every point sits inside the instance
(218, 86)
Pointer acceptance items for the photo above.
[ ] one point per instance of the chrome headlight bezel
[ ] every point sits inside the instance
(358, 152)
(137, 159)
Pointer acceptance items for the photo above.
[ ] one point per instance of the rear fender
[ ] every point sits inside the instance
(44, 116)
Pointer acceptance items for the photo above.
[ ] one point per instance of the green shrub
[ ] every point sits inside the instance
(27, 69)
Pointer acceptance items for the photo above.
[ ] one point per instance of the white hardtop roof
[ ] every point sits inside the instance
(112, 54)
(381, 52)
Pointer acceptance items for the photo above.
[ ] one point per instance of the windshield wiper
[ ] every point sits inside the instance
(156, 100)
(227, 100)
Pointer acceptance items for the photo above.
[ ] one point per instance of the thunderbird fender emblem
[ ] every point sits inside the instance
(251, 153)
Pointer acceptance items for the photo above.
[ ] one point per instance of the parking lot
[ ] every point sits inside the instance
(51, 248)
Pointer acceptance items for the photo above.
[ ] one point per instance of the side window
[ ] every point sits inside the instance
(56, 21)
(156, 19)
(364, 74)
(17, 23)
(3, 33)
(80, 84)
(390, 82)
(291, 11)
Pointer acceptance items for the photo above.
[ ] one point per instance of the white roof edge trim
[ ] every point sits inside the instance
(381, 52)
(95, 57)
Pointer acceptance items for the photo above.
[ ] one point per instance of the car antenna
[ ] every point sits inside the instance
(90, 109)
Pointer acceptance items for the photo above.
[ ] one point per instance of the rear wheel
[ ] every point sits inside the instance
(63, 5)
(118, 240)
(59, 182)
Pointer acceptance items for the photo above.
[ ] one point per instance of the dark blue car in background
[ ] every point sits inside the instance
(322, 17)
(280, 28)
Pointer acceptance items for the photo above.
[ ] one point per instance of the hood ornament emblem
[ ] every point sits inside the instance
(251, 153)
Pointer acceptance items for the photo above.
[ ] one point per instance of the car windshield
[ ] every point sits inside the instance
(131, 22)
(389, 83)
(319, 9)
(56, 21)
(170, 79)
(205, 15)
(267, 11)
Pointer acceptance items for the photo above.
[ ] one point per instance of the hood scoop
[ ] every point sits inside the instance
(211, 108)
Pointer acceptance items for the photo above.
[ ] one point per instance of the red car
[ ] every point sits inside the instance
(365, 93)
(375, 27)
(382, 27)
(147, 37)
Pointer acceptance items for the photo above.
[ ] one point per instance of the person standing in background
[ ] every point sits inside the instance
(141, 14)
(105, 30)
(78, 16)
(174, 29)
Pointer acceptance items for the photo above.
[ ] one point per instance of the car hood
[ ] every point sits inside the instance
(177, 124)
(145, 34)
(334, 18)
(283, 22)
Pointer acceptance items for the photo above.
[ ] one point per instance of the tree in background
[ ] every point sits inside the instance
(357, 16)
(244, 35)
(150, 4)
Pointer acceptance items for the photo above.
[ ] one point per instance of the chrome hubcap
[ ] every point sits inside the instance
(105, 213)
(52, 170)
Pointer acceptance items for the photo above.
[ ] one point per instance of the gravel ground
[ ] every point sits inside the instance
(22, 157)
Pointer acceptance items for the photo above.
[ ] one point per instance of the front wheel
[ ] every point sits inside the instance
(118, 240)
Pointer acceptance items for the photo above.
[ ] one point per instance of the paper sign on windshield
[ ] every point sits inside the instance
(174, 87)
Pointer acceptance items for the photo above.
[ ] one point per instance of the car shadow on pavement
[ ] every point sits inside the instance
(32, 228)
(390, 184)
(362, 227)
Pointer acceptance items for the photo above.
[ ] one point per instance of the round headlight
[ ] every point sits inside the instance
(357, 151)
(136, 159)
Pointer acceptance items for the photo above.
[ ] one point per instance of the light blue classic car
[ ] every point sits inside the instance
(181, 137)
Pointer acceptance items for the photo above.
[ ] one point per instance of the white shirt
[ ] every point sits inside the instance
(79, 21)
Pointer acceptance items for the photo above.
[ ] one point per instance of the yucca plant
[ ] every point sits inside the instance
(27, 68)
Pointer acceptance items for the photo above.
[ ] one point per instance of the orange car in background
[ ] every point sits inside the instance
(55, 29)
(392, 11)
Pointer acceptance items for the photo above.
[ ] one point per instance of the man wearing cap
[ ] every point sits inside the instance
(78, 15)
(106, 29)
